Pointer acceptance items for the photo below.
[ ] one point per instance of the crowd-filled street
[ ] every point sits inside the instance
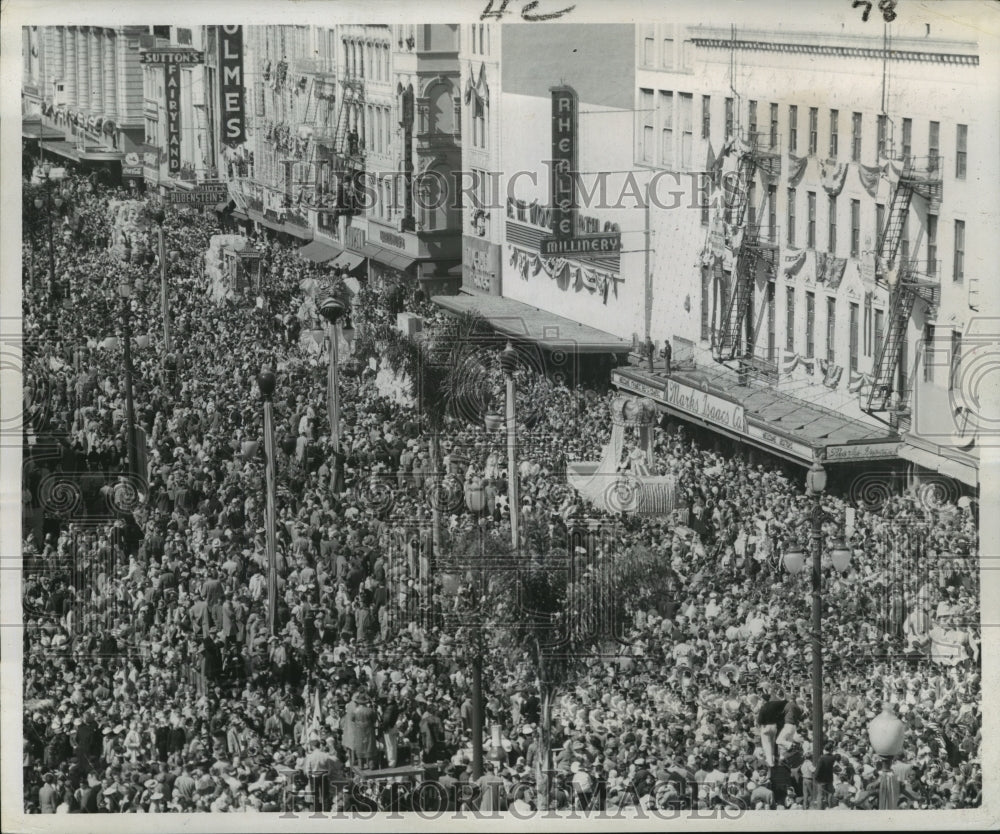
(153, 681)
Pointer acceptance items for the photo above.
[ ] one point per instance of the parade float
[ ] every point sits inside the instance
(232, 267)
(130, 228)
(623, 480)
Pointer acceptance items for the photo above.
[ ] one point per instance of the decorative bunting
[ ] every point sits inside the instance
(796, 168)
(832, 175)
(793, 260)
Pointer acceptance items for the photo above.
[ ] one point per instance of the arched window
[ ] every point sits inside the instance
(441, 108)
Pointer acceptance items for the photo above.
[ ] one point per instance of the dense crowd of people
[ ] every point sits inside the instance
(153, 683)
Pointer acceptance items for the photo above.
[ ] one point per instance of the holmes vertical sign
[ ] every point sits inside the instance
(173, 80)
(233, 105)
(563, 183)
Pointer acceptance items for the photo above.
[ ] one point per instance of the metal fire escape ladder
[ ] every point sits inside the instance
(745, 269)
(909, 286)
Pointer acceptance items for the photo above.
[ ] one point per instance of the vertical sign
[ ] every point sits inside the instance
(233, 105)
(563, 183)
(173, 75)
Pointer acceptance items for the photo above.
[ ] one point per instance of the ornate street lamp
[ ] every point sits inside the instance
(887, 732)
(126, 289)
(508, 363)
(333, 310)
(266, 383)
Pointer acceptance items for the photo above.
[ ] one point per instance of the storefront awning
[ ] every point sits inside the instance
(389, 257)
(318, 252)
(522, 321)
(286, 228)
(940, 463)
(37, 130)
(756, 413)
(63, 149)
(348, 261)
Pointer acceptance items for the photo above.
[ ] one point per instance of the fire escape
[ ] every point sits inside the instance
(753, 254)
(903, 277)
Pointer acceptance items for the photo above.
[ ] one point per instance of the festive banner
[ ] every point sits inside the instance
(793, 360)
(870, 175)
(858, 381)
(796, 168)
(832, 175)
(793, 260)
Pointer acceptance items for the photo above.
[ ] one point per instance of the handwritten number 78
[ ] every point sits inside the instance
(887, 7)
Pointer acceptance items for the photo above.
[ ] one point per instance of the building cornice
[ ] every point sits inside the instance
(919, 56)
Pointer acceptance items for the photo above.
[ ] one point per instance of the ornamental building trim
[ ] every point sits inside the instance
(839, 51)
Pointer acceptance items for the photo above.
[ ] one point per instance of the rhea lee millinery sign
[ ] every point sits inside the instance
(564, 240)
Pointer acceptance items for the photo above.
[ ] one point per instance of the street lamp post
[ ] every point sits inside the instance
(160, 216)
(126, 289)
(795, 563)
(266, 383)
(48, 202)
(332, 311)
(508, 362)
(475, 500)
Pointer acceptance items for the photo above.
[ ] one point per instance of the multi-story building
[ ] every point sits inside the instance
(577, 304)
(482, 213)
(835, 254)
(82, 93)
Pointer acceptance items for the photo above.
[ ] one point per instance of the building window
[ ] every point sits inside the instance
(771, 337)
(904, 240)
(793, 129)
(882, 126)
(774, 126)
(703, 196)
(961, 151)
(668, 53)
(687, 129)
(811, 218)
(649, 52)
(752, 204)
(482, 32)
(932, 244)
(855, 228)
(854, 336)
(879, 222)
(928, 353)
(790, 231)
(790, 319)
(934, 145)
(834, 135)
(907, 142)
(752, 120)
(646, 114)
(706, 284)
(856, 137)
(478, 122)
(729, 118)
(956, 358)
(667, 129)
(879, 331)
(813, 130)
(772, 213)
(831, 329)
(706, 117)
(832, 236)
(958, 265)
(866, 326)
(810, 325)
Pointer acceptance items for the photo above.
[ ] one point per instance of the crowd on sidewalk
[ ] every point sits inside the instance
(152, 682)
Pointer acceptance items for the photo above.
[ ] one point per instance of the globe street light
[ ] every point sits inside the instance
(887, 734)
(266, 383)
(475, 500)
(159, 217)
(332, 310)
(51, 199)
